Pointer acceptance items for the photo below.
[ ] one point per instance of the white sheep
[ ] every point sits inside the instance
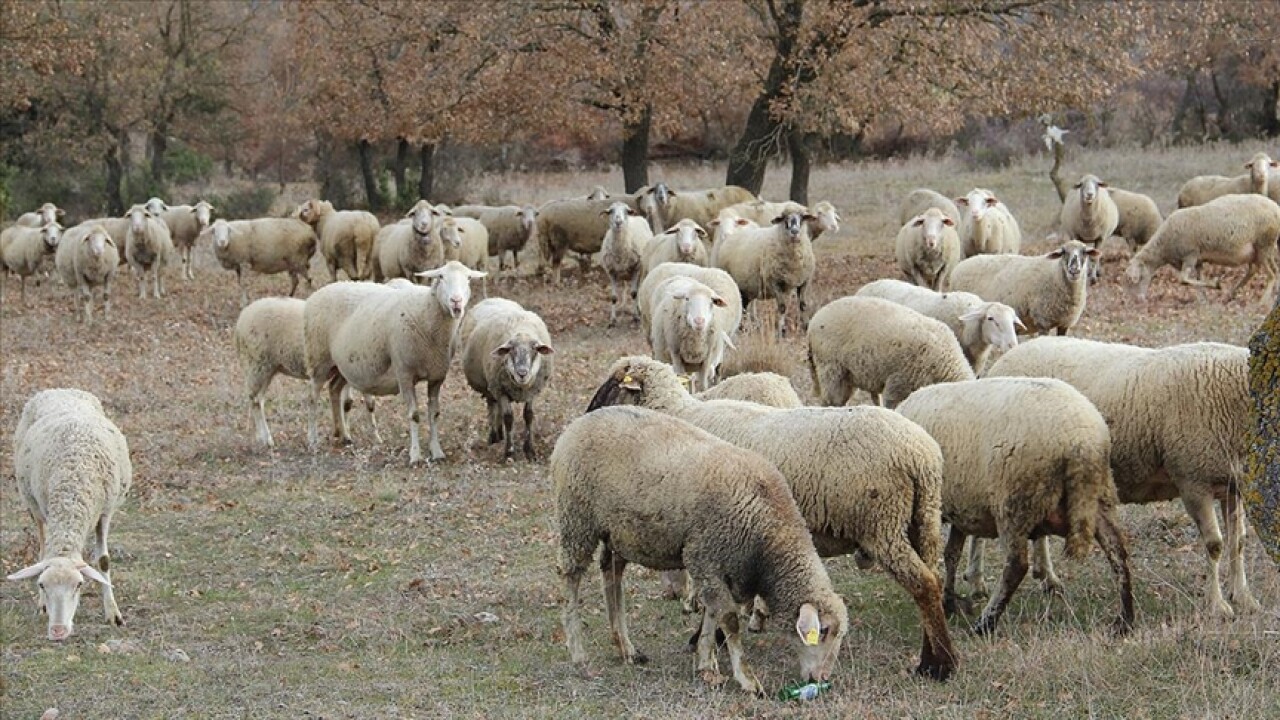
(574, 224)
(1205, 188)
(22, 252)
(987, 227)
(763, 388)
(771, 262)
(384, 340)
(346, 237)
(927, 248)
(185, 223)
(886, 349)
(628, 235)
(1139, 217)
(665, 207)
(1025, 457)
(1048, 292)
(73, 470)
(116, 227)
(1179, 419)
(506, 357)
(662, 493)
(762, 212)
(921, 199)
(268, 341)
(1231, 230)
(685, 329)
(728, 222)
(265, 245)
(730, 316)
(978, 325)
(1089, 214)
(87, 258)
(467, 241)
(41, 216)
(400, 250)
(684, 242)
(511, 228)
(147, 248)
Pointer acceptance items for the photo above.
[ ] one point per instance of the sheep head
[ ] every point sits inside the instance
(932, 223)
(97, 240)
(820, 632)
(60, 581)
(687, 237)
(204, 214)
(49, 212)
(51, 233)
(698, 304)
(522, 357)
(793, 223)
(1139, 274)
(1089, 187)
(452, 286)
(1074, 256)
(978, 201)
(156, 206)
(999, 324)
(638, 380)
(221, 232)
(528, 216)
(1259, 169)
(138, 216)
(422, 217)
(828, 219)
(618, 214)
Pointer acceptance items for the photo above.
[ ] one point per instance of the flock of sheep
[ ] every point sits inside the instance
(733, 488)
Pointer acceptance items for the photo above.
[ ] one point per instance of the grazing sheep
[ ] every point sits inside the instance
(683, 242)
(771, 262)
(87, 258)
(1025, 458)
(661, 493)
(988, 227)
(928, 248)
(1179, 418)
(147, 248)
(867, 480)
(685, 330)
(921, 199)
(575, 224)
(627, 236)
(762, 388)
(666, 207)
(268, 340)
(1231, 230)
(1139, 217)
(22, 252)
(384, 340)
(977, 324)
(466, 241)
(185, 223)
(511, 228)
(402, 249)
(879, 346)
(346, 237)
(41, 216)
(265, 245)
(1048, 292)
(506, 358)
(1206, 188)
(728, 317)
(72, 468)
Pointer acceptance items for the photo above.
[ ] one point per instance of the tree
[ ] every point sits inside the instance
(1262, 468)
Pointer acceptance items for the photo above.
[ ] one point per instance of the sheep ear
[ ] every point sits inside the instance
(991, 202)
(962, 201)
(603, 213)
(714, 223)
(91, 573)
(545, 349)
(502, 350)
(948, 221)
(808, 626)
(1017, 322)
(29, 572)
(808, 217)
(1055, 254)
(475, 274)
(60, 212)
(629, 383)
(701, 233)
(778, 220)
(430, 273)
(974, 314)
(718, 301)
(1102, 184)
(1076, 186)
(1093, 252)
(917, 221)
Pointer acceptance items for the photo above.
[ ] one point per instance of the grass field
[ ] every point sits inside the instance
(343, 584)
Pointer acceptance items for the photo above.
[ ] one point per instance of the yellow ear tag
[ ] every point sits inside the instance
(684, 380)
(811, 637)
(626, 379)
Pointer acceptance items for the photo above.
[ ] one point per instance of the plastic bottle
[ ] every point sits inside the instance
(808, 691)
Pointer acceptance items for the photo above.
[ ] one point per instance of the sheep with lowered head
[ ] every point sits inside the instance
(661, 493)
(148, 248)
(1205, 188)
(628, 235)
(685, 329)
(986, 225)
(928, 248)
(345, 236)
(264, 245)
(684, 242)
(185, 223)
(921, 199)
(1139, 217)
(87, 258)
(73, 470)
(771, 262)
(22, 252)
(1048, 292)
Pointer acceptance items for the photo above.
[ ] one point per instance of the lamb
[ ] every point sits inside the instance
(506, 357)
(921, 199)
(265, 245)
(511, 228)
(346, 237)
(41, 216)
(866, 480)
(466, 241)
(665, 207)
(683, 242)
(573, 224)
(664, 494)
(87, 258)
(763, 388)
(884, 348)
(147, 247)
(977, 324)
(628, 235)
(383, 340)
(685, 330)
(1035, 465)
(22, 251)
(1048, 292)
(988, 227)
(410, 246)
(1231, 230)
(771, 262)
(1205, 188)
(1139, 217)
(72, 468)
(928, 248)
(185, 223)
(1179, 418)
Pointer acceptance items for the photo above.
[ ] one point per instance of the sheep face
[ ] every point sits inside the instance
(155, 206)
(48, 213)
(452, 286)
(50, 234)
(1139, 276)
(204, 214)
(999, 324)
(311, 211)
(661, 194)
(793, 223)
(451, 233)
(221, 234)
(598, 193)
(1259, 168)
(932, 223)
(699, 305)
(522, 357)
(978, 201)
(687, 238)
(828, 220)
(97, 242)
(618, 214)
(528, 218)
(422, 217)
(138, 216)
(1074, 257)
(820, 638)
(1088, 187)
(60, 581)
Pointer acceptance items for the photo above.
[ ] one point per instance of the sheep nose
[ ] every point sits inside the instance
(699, 322)
(59, 632)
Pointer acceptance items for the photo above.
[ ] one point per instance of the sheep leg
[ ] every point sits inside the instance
(433, 407)
(782, 314)
(293, 284)
(611, 568)
(1112, 542)
(110, 610)
(332, 264)
(1016, 552)
(141, 278)
(1042, 567)
(408, 393)
(708, 668)
(1199, 506)
(1188, 275)
(84, 305)
(900, 560)
(1234, 518)
(571, 618)
(340, 400)
(613, 300)
(317, 383)
(244, 294)
(802, 304)
(529, 453)
(373, 419)
(951, 602)
(635, 301)
(1248, 275)
(973, 573)
(495, 424)
(720, 606)
(508, 426)
(106, 299)
(257, 382)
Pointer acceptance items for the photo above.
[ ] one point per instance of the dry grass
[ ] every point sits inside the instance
(344, 585)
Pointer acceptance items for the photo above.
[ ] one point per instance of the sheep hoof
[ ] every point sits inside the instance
(938, 671)
(118, 620)
(985, 626)
(1244, 602)
(1121, 627)
(637, 658)
(1053, 586)
(1220, 609)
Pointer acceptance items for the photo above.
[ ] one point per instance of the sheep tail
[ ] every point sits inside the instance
(1088, 477)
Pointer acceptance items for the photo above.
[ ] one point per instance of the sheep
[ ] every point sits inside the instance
(763, 388)
(683, 242)
(22, 251)
(1089, 214)
(685, 330)
(662, 493)
(41, 216)
(977, 324)
(185, 223)
(879, 346)
(383, 340)
(598, 193)
(728, 222)
(1205, 188)
(506, 357)
(1179, 418)
(762, 212)
(511, 228)
(665, 207)
(1034, 465)
(73, 470)
(346, 237)
(466, 241)
(771, 262)
(265, 245)
(573, 224)
(147, 248)
(628, 235)
(928, 248)
(921, 199)
(867, 480)
(1231, 230)
(410, 246)
(1048, 292)
(988, 227)
(1139, 217)
(116, 227)
(86, 258)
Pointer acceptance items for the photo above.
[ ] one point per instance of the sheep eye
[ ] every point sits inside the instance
(824, 632)
(40, 585)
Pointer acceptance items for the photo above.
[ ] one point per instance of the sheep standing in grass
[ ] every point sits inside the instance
(265, 245)
(1025, 458)
(886, 349)
(411, 246)
(1179, 418)
(346, 237)
(1206, 188)
(771, 262)
(506, 357)
(867, 480)
(928, 248)
(684, 242)
(86, 260)
(1139, 217)
(1089, 214)
(73, 470)
(22, 252)
(41, 216)
(185, 223)
(662, 493)
(628, 235)
(1231, 230)
(511, 228)
(987, 228)
(685, 328)
(1048, 292)
(384, 340)
(921, 199)
(147, 248)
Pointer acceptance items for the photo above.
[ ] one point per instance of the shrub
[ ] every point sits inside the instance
(253, 202)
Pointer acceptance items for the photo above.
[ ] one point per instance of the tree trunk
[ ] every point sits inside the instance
(800, 144)
(1261, 486)
(762, 135)
(399, 170)
(115, 179)
(159, 145)
(1178, 127)
(426, 162)
(324, 168)
(1224, 106)
(1271, 110)
(372, 196)
(635, 151)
